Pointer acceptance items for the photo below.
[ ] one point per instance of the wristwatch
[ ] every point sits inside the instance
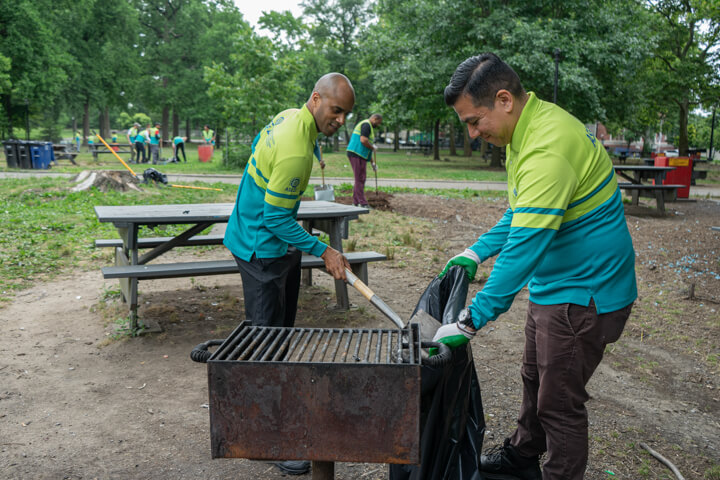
(465, 318)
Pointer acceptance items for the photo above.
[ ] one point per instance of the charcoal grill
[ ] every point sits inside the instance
(321, 394)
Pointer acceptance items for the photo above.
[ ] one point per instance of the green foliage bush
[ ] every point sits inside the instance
(236, 155)
(126, 121)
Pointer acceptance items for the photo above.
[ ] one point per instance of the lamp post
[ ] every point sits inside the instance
(712, 132)
(27, 119)
(557, 61)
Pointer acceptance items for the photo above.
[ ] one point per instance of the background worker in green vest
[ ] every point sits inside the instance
(360, 151)
(155, 143)
(179, 146)
(131, 134)
(139, 142)
(208, 135)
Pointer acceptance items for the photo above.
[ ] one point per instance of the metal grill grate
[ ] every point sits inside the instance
(320, 345)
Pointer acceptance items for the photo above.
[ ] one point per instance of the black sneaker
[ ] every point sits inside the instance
(504, 463)
(294, 467)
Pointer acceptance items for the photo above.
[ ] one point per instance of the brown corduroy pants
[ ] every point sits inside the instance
(564, 344)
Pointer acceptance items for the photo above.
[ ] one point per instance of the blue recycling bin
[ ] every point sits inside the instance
(41, 154)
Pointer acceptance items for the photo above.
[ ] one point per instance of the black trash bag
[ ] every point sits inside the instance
(452, 421)
(152, 175)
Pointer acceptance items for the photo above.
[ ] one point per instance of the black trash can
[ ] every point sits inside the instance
(10, 147)
(23, 155)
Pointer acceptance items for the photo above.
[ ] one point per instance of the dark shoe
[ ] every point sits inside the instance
(294, 467)
(504, 463)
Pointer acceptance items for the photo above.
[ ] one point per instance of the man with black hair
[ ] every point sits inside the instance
(566, 237)
(208, 135)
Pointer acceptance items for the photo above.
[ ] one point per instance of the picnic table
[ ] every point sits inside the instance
(132, 266)
(64, 151)
(99, 148)
(637, 177)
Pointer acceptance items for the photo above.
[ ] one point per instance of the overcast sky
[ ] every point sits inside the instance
(252, 9)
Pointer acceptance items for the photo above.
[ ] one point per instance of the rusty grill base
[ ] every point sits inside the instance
(351, 395)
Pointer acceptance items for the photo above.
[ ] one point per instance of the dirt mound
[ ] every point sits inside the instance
(105, 181)
(379, 200)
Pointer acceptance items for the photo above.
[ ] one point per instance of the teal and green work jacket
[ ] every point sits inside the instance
(355, 146)
(565, 234)
(154, 134)
(263, 221)
(208, 135)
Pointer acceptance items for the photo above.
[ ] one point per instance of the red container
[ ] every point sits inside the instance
(205, 153)
(682, 175)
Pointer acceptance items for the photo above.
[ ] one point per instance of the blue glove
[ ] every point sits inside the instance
(456, 334)
(468, 260)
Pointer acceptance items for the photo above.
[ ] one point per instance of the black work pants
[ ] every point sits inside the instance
(271, 287)
(180, 147)
(564, 344)
(140, 147)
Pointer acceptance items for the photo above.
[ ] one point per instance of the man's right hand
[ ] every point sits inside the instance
(335, 263)
(468, 260)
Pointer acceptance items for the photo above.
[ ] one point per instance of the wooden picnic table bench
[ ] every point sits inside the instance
(98, 149)
(635, 174)
(62, 151)
(131, 266)
(358, 262)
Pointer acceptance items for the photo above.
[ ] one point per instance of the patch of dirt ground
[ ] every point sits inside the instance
(78, 401)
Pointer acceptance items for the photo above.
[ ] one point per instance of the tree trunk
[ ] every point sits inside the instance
(453, 152)
(165, 123)
(7, 103)
(106, 118)
(176, 124)
(86, 122)
(101, 124)
(495, 159)
(483, 149)
(467, 147)
(436, 140)
(336, 143)
(187, 129)
(683, 141)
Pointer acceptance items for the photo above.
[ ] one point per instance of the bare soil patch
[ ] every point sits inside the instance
(77, 403)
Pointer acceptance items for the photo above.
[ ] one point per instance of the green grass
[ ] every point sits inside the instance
(47, 230)
(391, 165)
(417, 166)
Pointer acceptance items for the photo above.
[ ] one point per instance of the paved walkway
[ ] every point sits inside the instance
(703, 191)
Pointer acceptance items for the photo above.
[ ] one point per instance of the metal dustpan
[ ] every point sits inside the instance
(324, 192)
